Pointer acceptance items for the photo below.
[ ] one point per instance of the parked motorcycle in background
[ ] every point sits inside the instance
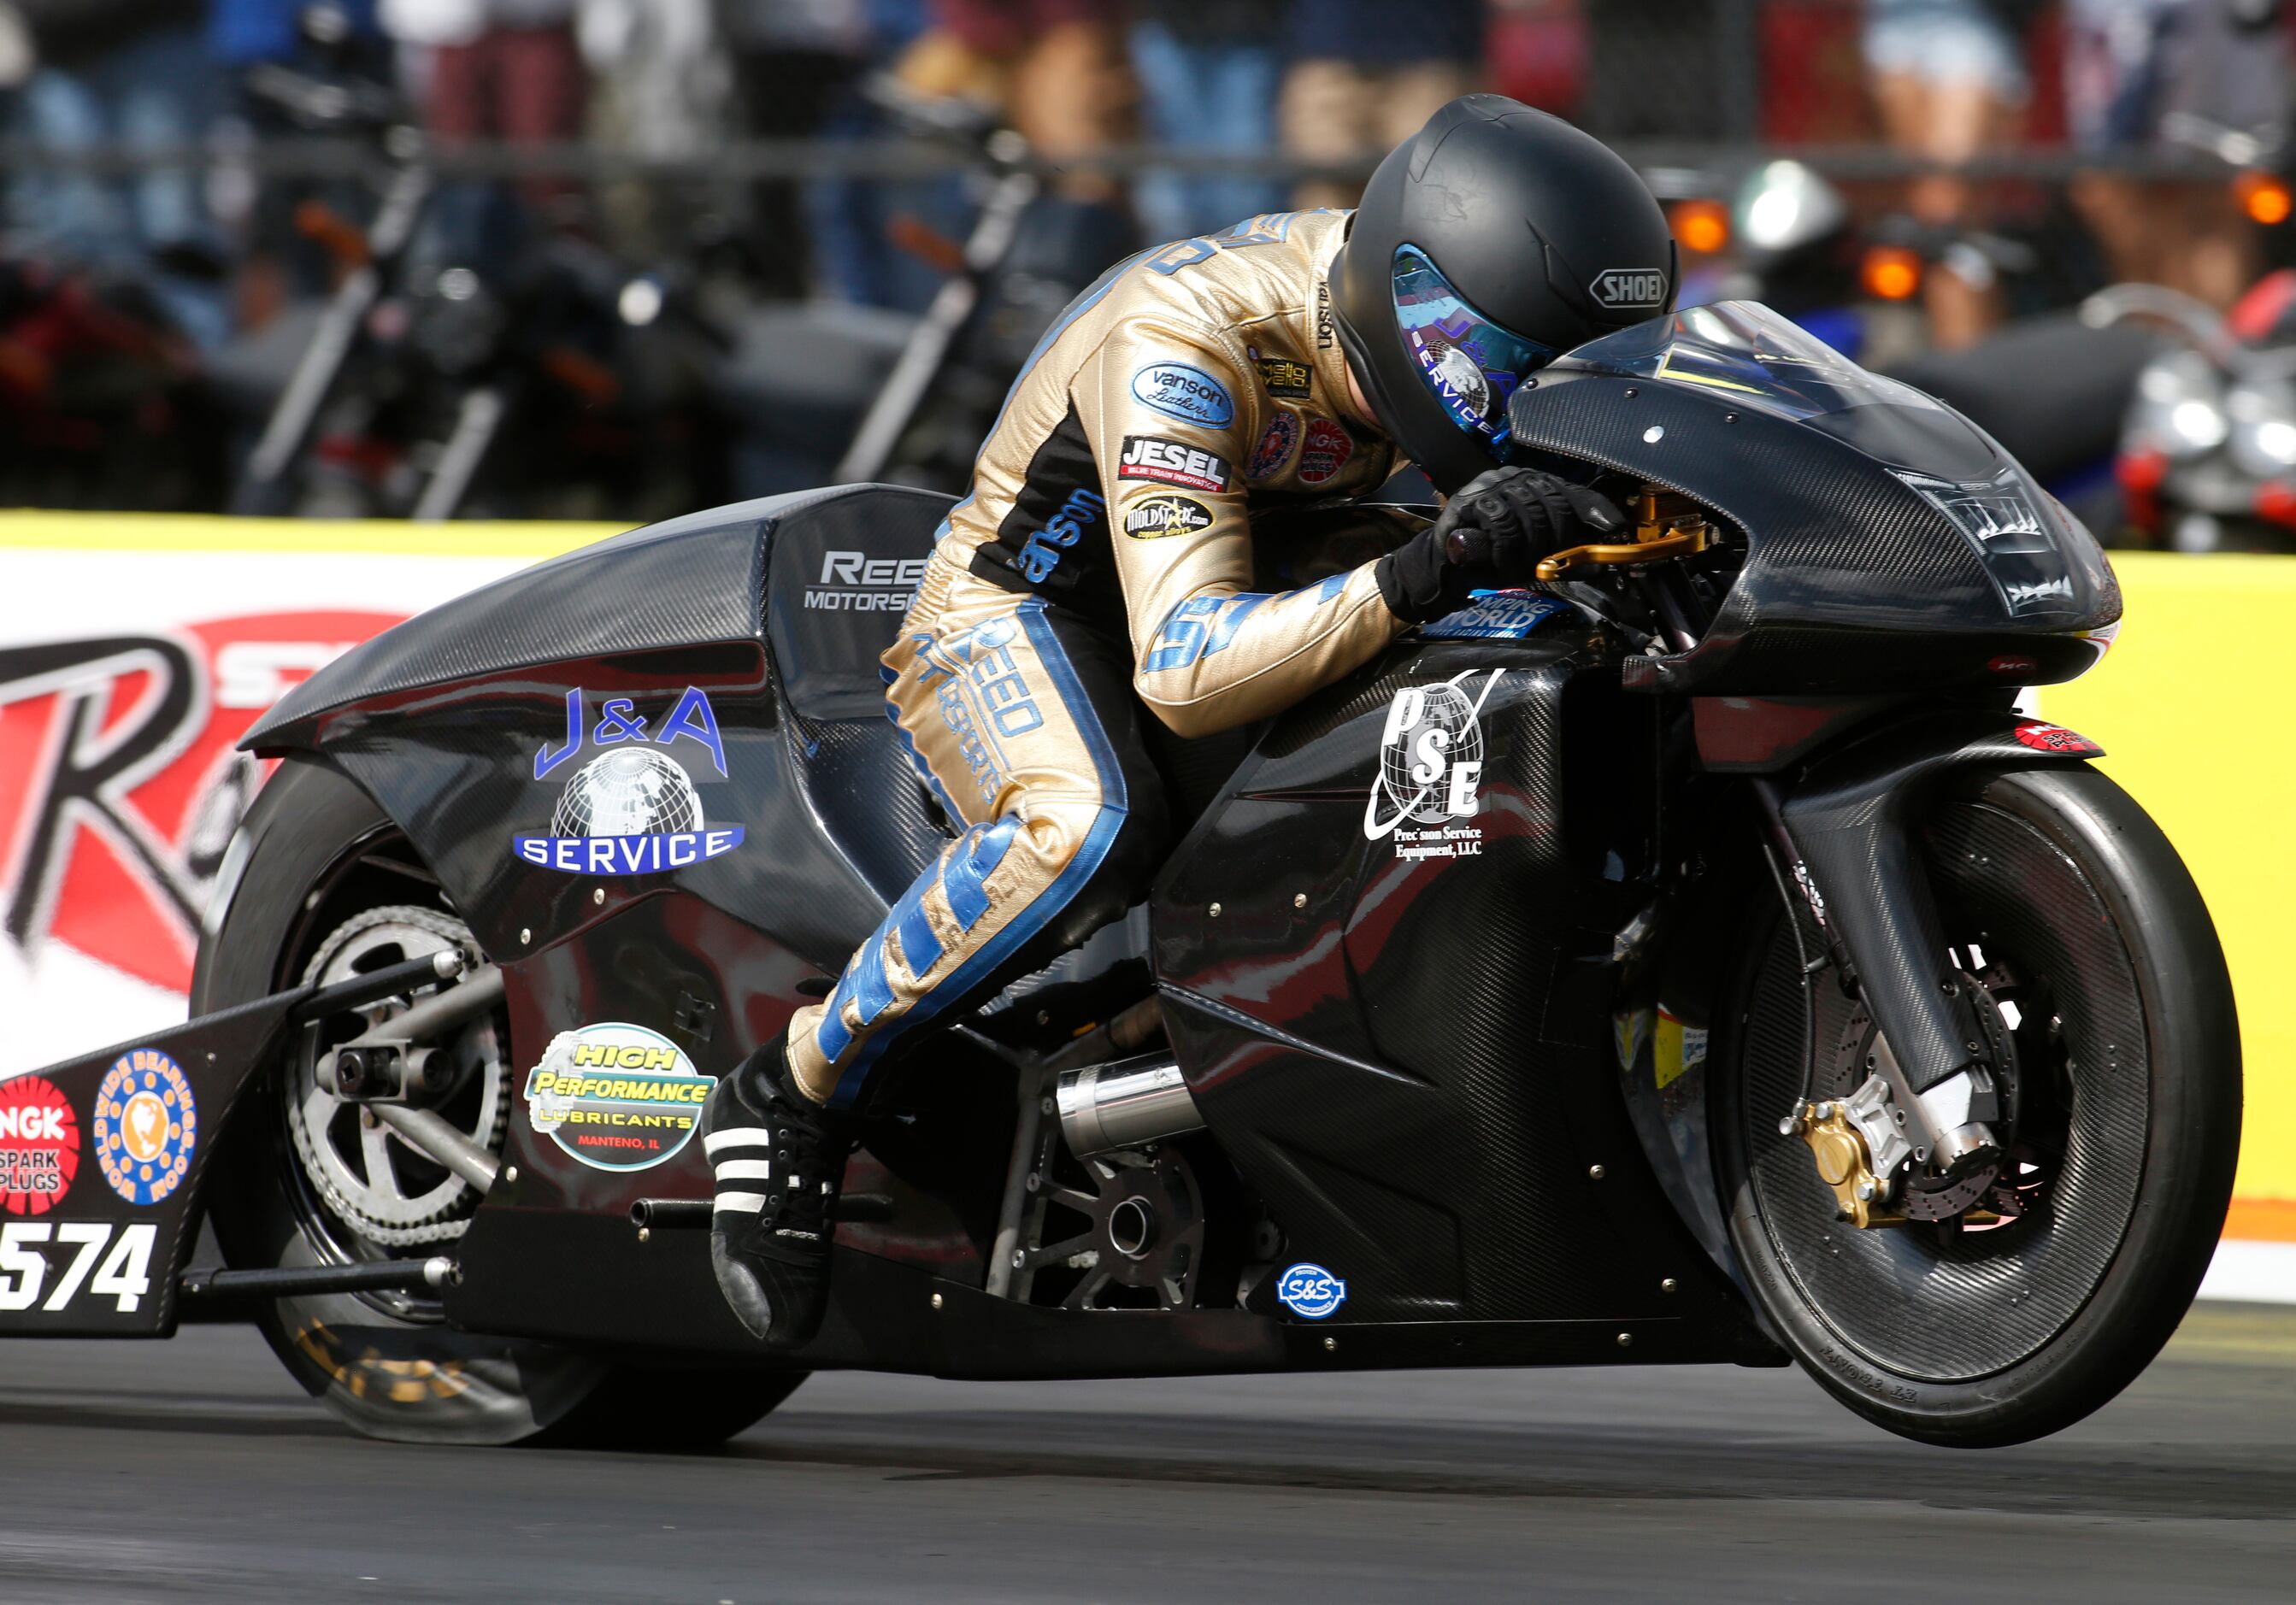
(2208, 450)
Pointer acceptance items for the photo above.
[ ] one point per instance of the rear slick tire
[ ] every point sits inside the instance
(1998, 1335)
(315, 849)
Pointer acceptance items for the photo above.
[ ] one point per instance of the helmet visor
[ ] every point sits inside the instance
(1467, 363)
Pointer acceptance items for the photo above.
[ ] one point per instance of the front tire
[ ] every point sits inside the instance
(2119, 1011)
(327, 873)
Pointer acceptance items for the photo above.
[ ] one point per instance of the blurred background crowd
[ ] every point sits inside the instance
(619, 257)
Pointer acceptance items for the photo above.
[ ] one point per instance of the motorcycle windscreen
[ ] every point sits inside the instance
(1744, 354)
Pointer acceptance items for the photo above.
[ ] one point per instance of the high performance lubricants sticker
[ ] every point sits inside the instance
(39, 1145)
(615, 1096)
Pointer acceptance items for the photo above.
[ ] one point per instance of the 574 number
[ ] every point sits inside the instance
(123, 1273)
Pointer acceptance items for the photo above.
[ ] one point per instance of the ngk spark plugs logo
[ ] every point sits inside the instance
(119, 784)
(1430, 770)
(39, 1145)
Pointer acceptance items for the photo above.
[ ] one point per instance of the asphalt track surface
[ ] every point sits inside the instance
(195, 1471)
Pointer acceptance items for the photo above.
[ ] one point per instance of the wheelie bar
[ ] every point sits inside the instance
(369, 1276)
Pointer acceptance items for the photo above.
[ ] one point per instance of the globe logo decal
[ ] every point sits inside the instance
(632, 808)
(632, 792)
(1431, 758)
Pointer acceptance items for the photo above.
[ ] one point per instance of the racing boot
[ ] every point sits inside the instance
(777, 1159)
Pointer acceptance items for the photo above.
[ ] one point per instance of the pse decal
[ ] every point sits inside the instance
(1495, 616)
(1328, 449)
(2056, 738)
(1062, 531)
(39, 1145)
(123, 1275)
(1283, 376)
(854, 582)
(633, 810)
(1309, 1291)
(1274, 447)
(123, 788)
(1623, 288)
(146, 1126)
(1160, 516)
(1169, 462)
(1430, 770)
(615, 1096)
(1191, 395)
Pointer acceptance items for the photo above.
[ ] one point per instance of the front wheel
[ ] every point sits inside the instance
(2061, 898)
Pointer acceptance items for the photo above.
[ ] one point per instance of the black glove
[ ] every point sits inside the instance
(1500, 523)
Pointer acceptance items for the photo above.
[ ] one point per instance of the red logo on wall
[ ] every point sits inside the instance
(39, 1145)
(119, 784)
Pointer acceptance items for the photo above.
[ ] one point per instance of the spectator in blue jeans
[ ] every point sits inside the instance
(133, 73)
(1209, 72)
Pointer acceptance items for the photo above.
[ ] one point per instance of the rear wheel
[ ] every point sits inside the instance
(330, 889)
(2121, 1064)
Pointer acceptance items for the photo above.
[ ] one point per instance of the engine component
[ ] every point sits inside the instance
(1132, 1102)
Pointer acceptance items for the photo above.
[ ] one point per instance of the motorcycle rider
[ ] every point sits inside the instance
(1100, 565)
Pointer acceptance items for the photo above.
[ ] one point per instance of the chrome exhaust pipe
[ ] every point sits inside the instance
(1124, 1105)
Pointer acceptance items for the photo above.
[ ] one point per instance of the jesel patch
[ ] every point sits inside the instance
(1160, 516)
(146, 1126)
(39, 1145)
(615, 1096)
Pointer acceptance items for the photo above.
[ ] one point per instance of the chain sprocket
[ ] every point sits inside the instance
(365, 1191)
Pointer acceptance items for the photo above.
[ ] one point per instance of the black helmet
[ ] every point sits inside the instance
(1488, 243)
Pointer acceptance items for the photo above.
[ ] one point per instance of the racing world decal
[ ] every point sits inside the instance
(1309, 1291)
(1160, 516)
(39, 1145)
(1283, 376)
(616, 1097)
(1495, 616)
(121, 787)
(1328, 449)
(1171, 463)
(1430, 770)
(1188, 394)
(146, 1126)
(1276, 446)
(633, 810)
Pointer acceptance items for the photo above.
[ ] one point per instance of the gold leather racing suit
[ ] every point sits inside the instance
(1103, 562)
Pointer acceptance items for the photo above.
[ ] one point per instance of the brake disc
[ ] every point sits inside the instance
(382, 1189)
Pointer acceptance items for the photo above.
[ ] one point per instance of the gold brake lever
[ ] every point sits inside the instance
(1661, 532)
(1572, 559)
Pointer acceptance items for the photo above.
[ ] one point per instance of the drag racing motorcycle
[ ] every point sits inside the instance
(1691, 958)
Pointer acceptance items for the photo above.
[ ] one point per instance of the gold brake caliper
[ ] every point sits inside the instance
(1839, 1150)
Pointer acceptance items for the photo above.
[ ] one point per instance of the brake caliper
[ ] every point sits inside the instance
(1859, 1145)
